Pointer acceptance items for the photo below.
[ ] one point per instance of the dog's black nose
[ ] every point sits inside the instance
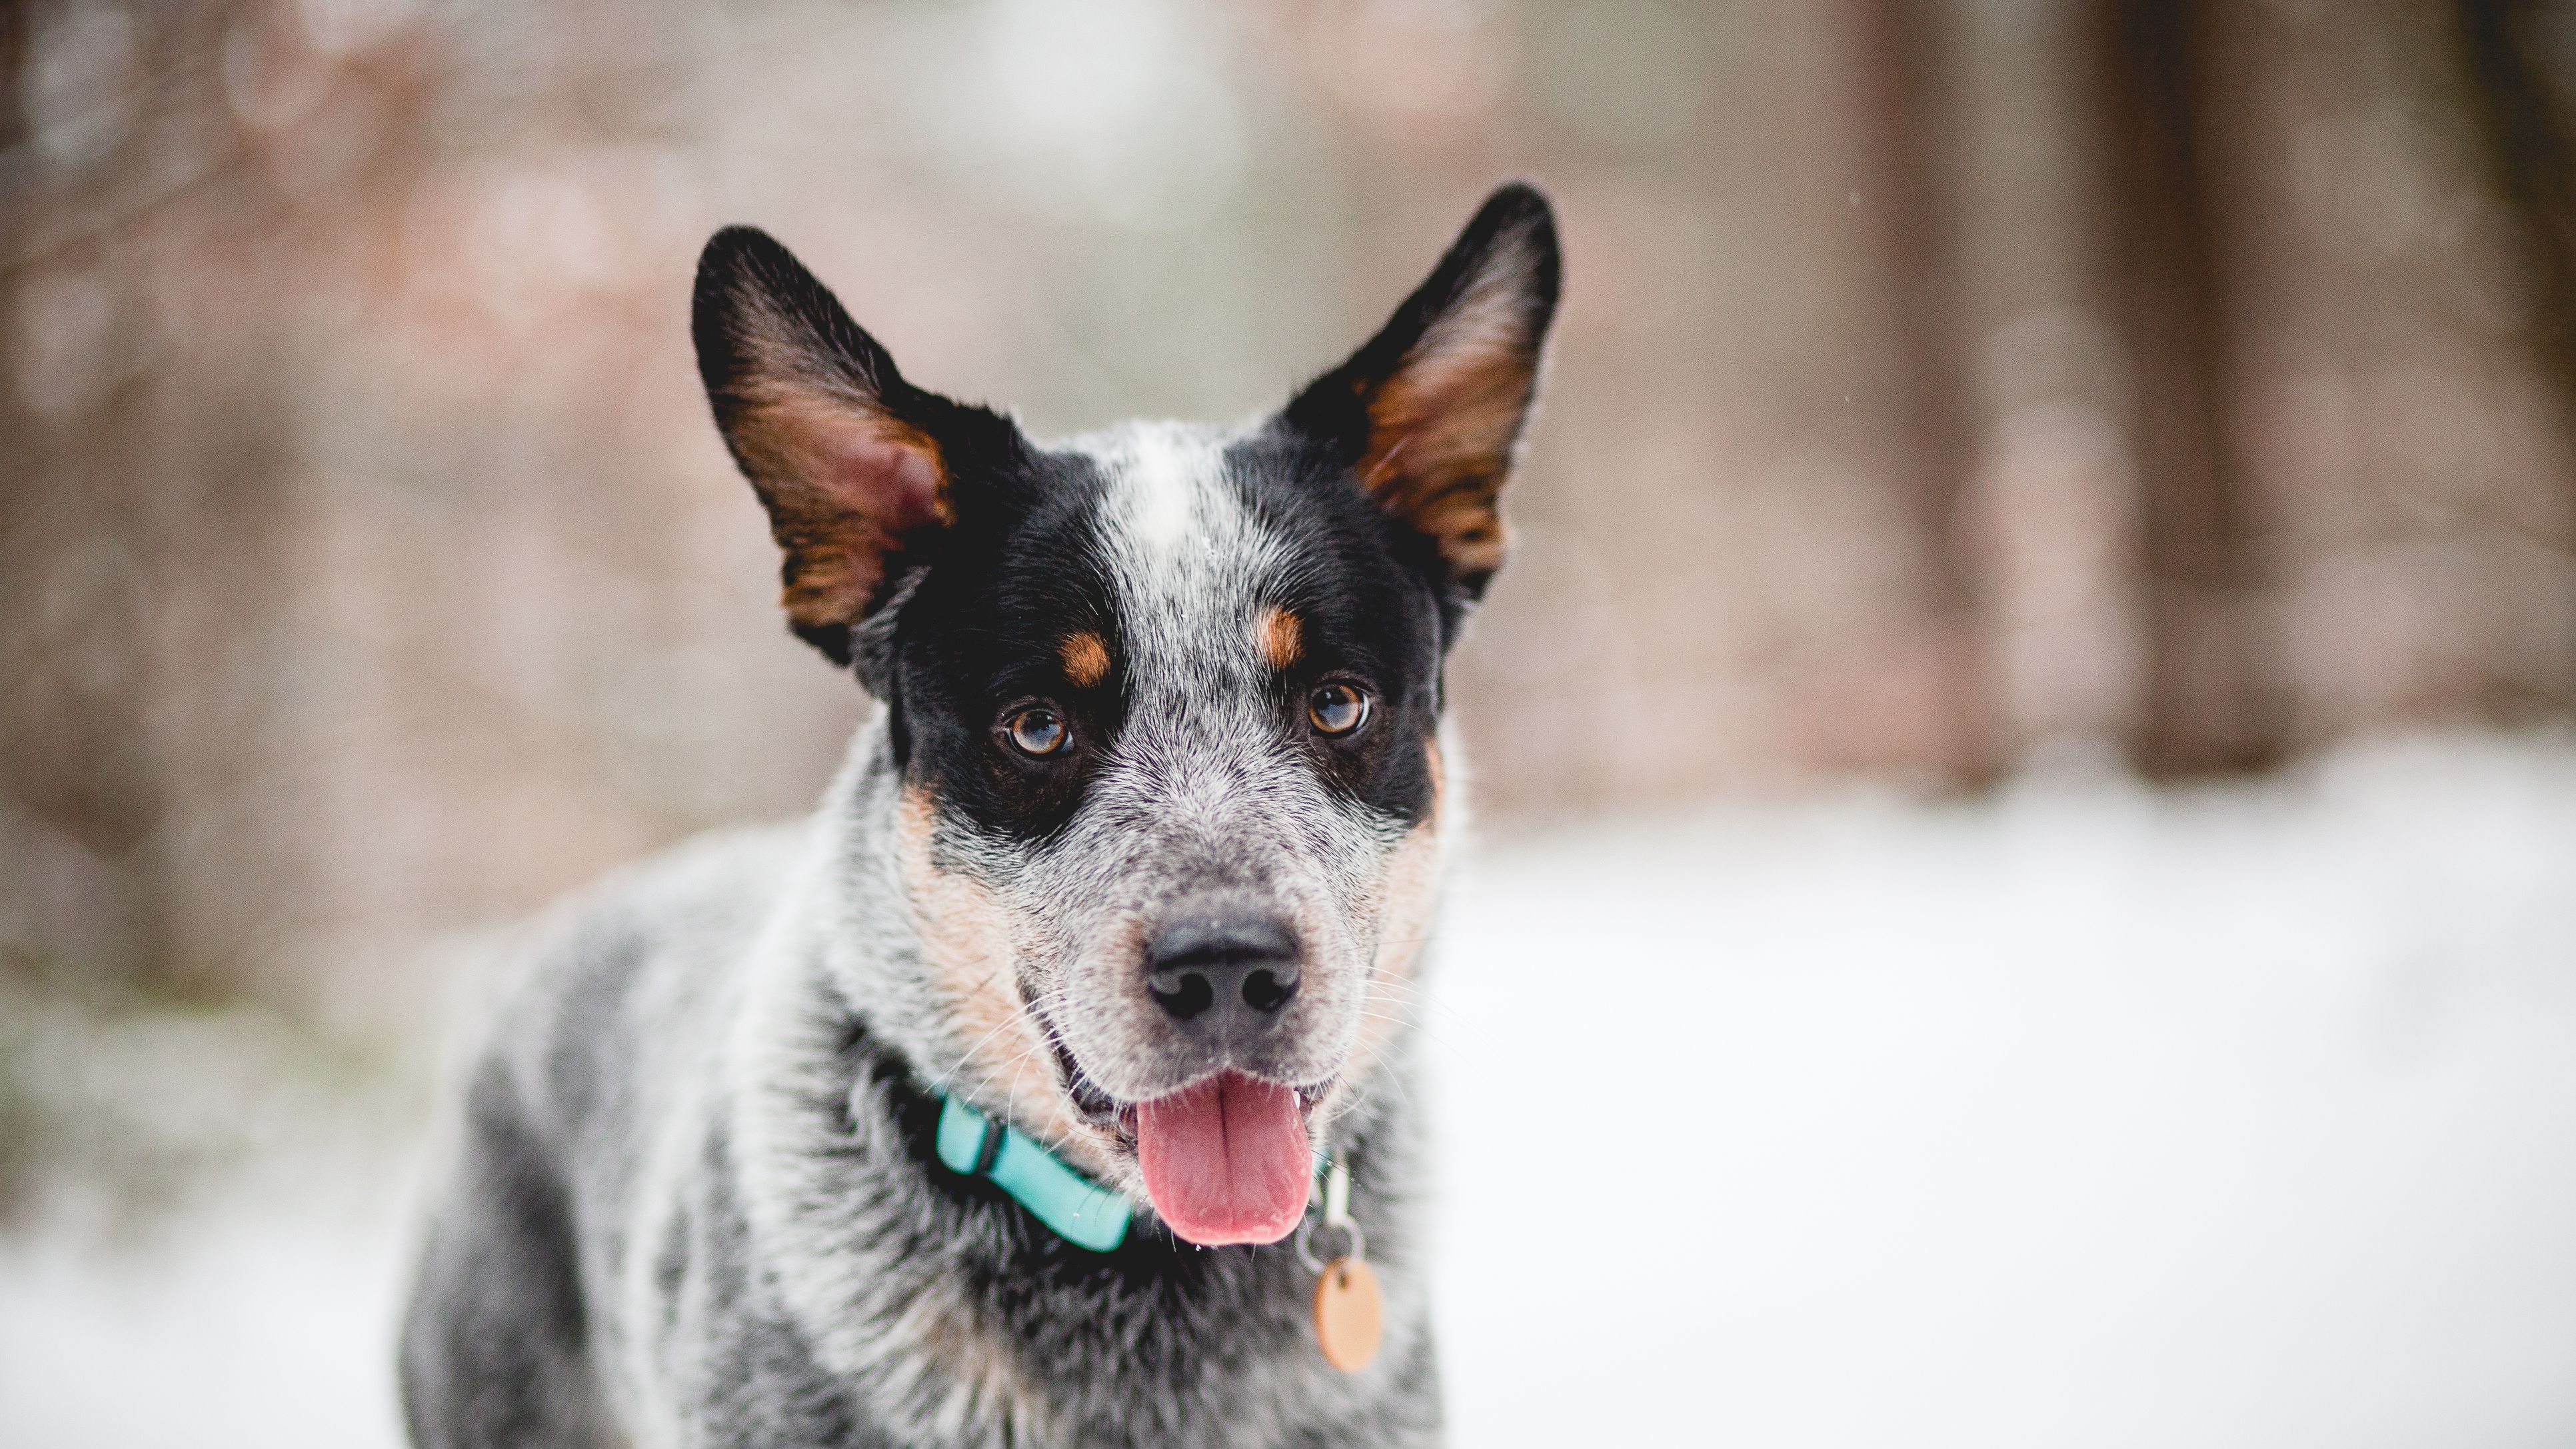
(1223, 976)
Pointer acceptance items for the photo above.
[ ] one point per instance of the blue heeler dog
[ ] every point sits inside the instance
(1006, 1101)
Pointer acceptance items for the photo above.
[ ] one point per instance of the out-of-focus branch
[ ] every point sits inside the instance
(2206, 705)
(2528, 123)
(1910, 137)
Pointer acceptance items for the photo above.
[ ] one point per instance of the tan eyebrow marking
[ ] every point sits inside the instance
(1282, 637)
(1086, 659)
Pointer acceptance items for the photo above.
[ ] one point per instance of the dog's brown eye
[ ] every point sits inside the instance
(1337, 709)
(1038, 732)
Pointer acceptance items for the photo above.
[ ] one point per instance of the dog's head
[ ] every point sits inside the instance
(1165, 701)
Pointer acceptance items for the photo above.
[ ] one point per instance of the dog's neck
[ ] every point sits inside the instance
(1034, 1338)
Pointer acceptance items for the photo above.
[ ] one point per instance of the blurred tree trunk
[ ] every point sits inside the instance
(2523, 100)
(2527, 119)
(1910, 139)
(78, 766)
(88, 515)
(2205, 704)
(17, 32)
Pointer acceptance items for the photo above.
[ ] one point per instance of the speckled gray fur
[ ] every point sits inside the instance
(691, 1204)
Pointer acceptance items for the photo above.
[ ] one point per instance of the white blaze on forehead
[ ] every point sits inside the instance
(1164, 472)
(1186, 559)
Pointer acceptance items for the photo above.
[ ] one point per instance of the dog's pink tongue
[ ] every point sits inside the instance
(1226, 1161)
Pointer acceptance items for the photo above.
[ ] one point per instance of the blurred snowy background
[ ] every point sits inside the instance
(2030, 885)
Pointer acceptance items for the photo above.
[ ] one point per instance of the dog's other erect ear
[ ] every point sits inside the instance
(853, 463)
(1428, 415)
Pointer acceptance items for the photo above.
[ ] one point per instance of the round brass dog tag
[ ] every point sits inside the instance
(1349, 1319)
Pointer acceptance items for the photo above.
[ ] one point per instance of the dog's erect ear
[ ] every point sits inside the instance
(853, 463)
(1428, 415)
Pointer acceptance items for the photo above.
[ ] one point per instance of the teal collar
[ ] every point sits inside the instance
(1081, 1211)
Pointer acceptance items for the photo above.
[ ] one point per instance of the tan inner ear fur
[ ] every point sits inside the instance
(841, 478)
(1442, 429)
(801, 446)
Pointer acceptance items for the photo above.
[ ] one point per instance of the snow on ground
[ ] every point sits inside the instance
(262, 1324)
(2083, 1116)
(2080, 1118)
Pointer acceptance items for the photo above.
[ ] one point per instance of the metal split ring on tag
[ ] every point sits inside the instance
(1350, 1315)
(1357, 1242)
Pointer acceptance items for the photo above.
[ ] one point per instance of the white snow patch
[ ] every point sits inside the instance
(258, 1324)
(2086, 1117)
(2082, 1117)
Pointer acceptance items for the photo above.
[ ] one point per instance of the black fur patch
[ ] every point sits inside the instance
(977, 635)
